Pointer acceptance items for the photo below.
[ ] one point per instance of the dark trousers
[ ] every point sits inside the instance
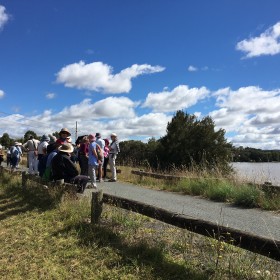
(105, 164)
(83, 161)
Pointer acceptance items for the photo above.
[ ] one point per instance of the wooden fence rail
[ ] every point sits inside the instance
(257, 244)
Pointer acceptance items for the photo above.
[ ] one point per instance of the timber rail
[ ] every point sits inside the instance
(257, 244)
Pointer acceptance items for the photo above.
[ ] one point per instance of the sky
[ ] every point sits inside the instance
(127, 66)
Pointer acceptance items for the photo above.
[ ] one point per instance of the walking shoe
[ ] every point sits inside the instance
(112, 180)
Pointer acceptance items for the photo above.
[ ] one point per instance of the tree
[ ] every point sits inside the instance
(191, 141)
(5, 140)
(28, 134)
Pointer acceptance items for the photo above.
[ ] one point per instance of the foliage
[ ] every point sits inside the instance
(191, 141)
(6, 141)
(29, 133)
(248, 154)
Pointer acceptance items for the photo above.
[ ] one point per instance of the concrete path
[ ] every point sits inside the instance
(255, 221)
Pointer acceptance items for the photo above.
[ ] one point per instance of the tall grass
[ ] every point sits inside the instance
(213, 186)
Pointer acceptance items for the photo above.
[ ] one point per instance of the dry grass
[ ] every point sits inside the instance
(42, 239)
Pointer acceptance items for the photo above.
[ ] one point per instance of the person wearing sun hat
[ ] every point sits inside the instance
(63, 135)
(64, 168)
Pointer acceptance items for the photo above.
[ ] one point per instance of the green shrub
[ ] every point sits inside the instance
(247, 196)
(220, 191)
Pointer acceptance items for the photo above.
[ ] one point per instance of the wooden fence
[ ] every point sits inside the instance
(257, 244)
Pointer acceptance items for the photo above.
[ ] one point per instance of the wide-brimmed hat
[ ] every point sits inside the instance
(17, 144)
(114, 134)
(45, 138)
(65, 130)
(91, 137)
(66, 148)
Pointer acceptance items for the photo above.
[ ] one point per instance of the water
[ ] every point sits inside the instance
(258, 172)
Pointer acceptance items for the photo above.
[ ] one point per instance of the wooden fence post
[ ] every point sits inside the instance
(96, 206)
(24, 179)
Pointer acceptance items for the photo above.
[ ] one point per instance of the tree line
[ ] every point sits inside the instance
(188, 142)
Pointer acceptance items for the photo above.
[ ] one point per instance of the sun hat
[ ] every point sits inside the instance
(114, 134)
(45, 138)
(17, 144)
(91, 137)
(65, 130)
(66, 148)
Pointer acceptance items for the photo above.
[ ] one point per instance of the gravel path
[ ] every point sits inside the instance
(255, 221)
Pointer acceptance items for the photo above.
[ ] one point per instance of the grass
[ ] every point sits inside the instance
(42, 238)
(220, 189)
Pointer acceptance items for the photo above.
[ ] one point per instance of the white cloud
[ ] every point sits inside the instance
(251, 114)
(4, 17)
(268, 43)
(106, 116)
(180, 97)
(2, 93)
(98, 76)
(249, 100)
(50, 95)
(111, 107)
(192, 68)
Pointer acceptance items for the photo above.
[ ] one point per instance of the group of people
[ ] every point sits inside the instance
(55, 159)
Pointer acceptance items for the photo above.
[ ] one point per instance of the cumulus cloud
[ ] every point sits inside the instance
(251, 113)
(268, 43)
(180, 97)
(192, 68)
(50, 95)
(111, 107)
(4, 17)
(2, 93)
(109, 115)
(249, 100)
(98, 76)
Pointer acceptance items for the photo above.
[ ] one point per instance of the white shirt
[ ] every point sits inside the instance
(42, 146)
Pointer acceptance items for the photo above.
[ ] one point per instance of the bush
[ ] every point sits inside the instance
(247, 196)
(221, 191)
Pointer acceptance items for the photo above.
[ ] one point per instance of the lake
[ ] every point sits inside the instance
(258, 172)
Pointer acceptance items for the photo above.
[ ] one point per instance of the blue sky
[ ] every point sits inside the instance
(126, 66)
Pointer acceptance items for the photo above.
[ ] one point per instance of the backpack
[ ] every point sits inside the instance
(14, 152)
(99, 152)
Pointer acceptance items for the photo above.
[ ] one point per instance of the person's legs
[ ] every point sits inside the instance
(84, 165)
(91, 174)
(13, 163)
(100, 173)
(106, 160)
(112, 161)
(30, 161)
